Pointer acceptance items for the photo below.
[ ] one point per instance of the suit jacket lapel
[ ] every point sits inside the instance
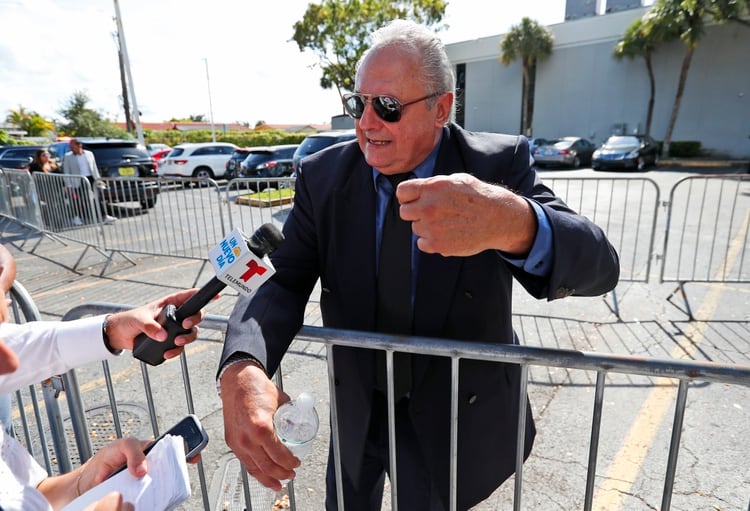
(354, 242)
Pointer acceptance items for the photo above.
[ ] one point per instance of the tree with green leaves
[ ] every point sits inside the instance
(31, 122)
(82, 121)
(530, 42)
(684, 20)
(338, 32)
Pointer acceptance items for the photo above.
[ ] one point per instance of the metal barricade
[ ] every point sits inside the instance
(707, 235)
(69, 208)
(248, 209)
(184, 219)
(46, 440)
(626, 210)
(20, 199)
(605, 366)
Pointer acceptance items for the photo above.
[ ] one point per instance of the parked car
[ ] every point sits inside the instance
(155, 148)
(124, 158)
(268, 161)
(317, 141)
(161, 154)
(202, 160)
(18, 156)
(626, 152)
(535, 142)
(232, 166)
(567, 151)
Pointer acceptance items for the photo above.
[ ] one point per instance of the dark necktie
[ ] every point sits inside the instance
(394, 314)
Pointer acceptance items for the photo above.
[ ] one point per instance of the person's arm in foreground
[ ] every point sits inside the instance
(45, 348)
(7, 276)
(61, 490)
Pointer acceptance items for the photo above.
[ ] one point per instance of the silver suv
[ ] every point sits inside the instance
(202, 160)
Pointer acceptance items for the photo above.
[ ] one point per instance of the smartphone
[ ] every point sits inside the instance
(192, 433)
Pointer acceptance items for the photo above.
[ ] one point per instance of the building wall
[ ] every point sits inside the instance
(582, 90)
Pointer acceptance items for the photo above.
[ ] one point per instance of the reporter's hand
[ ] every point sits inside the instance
(111, 502)
(249, 401)
(110, 458)
(125, 326)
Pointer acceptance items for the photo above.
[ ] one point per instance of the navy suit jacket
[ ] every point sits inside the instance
(330, 234)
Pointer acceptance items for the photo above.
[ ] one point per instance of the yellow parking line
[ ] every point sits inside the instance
(627, 463)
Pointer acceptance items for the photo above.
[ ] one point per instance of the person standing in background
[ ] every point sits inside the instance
(80, 162)
(42, 162)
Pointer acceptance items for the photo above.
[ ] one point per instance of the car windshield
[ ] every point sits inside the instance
(257, 157)
(622, 142)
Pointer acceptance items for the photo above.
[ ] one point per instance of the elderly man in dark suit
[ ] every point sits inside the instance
(479, 217)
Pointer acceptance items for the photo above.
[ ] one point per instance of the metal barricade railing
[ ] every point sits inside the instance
(179, 217)
(70, 208)
(38, 434)
(247, 211)
(603, 365)
(20, 199)
(626, 209)
(707, 236)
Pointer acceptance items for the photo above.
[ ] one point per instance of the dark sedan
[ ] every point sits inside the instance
(634, 152)
(567, 151)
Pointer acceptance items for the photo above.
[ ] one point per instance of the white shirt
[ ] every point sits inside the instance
(44, 348)
(83, 164)
(20, 474)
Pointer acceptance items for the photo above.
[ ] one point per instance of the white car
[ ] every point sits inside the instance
(203, 160)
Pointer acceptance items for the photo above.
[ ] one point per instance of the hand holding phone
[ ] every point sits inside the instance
(190, 429)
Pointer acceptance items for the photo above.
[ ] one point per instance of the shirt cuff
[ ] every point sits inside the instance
(539, 260)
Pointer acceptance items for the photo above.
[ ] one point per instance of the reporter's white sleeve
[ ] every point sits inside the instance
(47, 348)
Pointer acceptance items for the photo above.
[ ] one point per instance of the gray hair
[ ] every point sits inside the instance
(437, 71)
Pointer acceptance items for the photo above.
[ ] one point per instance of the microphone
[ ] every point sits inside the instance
(238, 262)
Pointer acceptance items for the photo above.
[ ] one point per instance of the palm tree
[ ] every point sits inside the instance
(683, 19)
(637, 42)
(531, 42)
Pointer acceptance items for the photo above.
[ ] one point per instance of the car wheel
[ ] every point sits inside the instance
(576, 162)
(203, 173)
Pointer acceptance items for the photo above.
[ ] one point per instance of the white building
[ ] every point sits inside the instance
(581, 89)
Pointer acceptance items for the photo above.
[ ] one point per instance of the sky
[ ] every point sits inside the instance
(232, 60)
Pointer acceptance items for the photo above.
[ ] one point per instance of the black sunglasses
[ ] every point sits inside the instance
(388, 108)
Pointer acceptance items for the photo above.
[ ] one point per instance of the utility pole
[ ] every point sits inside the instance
(126, 64)
(129, 126)
(210, 105)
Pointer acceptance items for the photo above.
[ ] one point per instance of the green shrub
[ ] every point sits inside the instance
(240, 138)
(685, 149)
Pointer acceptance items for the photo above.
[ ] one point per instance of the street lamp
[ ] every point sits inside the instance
(210, 105)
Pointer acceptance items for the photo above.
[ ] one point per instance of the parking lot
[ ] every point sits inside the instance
(712, 469)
